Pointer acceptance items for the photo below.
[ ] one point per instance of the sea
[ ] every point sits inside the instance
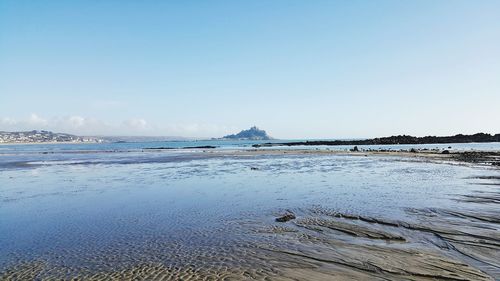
(99, 210)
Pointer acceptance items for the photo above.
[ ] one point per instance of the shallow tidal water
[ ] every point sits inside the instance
(193, 215)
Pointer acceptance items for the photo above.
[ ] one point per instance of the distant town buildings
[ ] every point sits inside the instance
(43, 137)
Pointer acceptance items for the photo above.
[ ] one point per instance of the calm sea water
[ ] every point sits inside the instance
(16, 156)
(222, 144)
(106, 206)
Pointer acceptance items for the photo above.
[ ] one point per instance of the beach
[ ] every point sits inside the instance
(249, 140)
(214, 214)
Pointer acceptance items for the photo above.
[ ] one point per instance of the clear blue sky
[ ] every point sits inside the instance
(299, 69)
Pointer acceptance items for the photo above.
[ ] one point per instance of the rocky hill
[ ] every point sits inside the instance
(253, 133)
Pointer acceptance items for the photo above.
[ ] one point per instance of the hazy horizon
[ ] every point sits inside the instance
(299, 70)
(174, 138)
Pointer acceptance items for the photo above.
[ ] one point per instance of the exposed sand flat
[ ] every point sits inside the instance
(318, 224)
(322, 244)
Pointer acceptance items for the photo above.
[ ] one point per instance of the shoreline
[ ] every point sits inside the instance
(51, 142)
(477, 157)
(487, 158)
(292, 238)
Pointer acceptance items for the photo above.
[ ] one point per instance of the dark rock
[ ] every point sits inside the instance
(481, 157)
(413, 150)
(285, 218)
(355, 149)
(445, 152)
(401, 139)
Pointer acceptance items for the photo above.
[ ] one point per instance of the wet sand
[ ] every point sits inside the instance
(320, 243)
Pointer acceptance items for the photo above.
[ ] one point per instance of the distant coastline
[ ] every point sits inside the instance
(49, 143)
(45, 137)
(395, 140)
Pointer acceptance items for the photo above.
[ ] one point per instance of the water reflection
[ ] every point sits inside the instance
(91, 214)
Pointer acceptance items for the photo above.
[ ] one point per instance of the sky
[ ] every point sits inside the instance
(298, 69)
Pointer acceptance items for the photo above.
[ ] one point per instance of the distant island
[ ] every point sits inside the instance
(44, 137)
(401, 139)
(253, 133)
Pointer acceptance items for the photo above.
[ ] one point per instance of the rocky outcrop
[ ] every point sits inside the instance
(401, 139)
(253, 133)
(287, 217)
